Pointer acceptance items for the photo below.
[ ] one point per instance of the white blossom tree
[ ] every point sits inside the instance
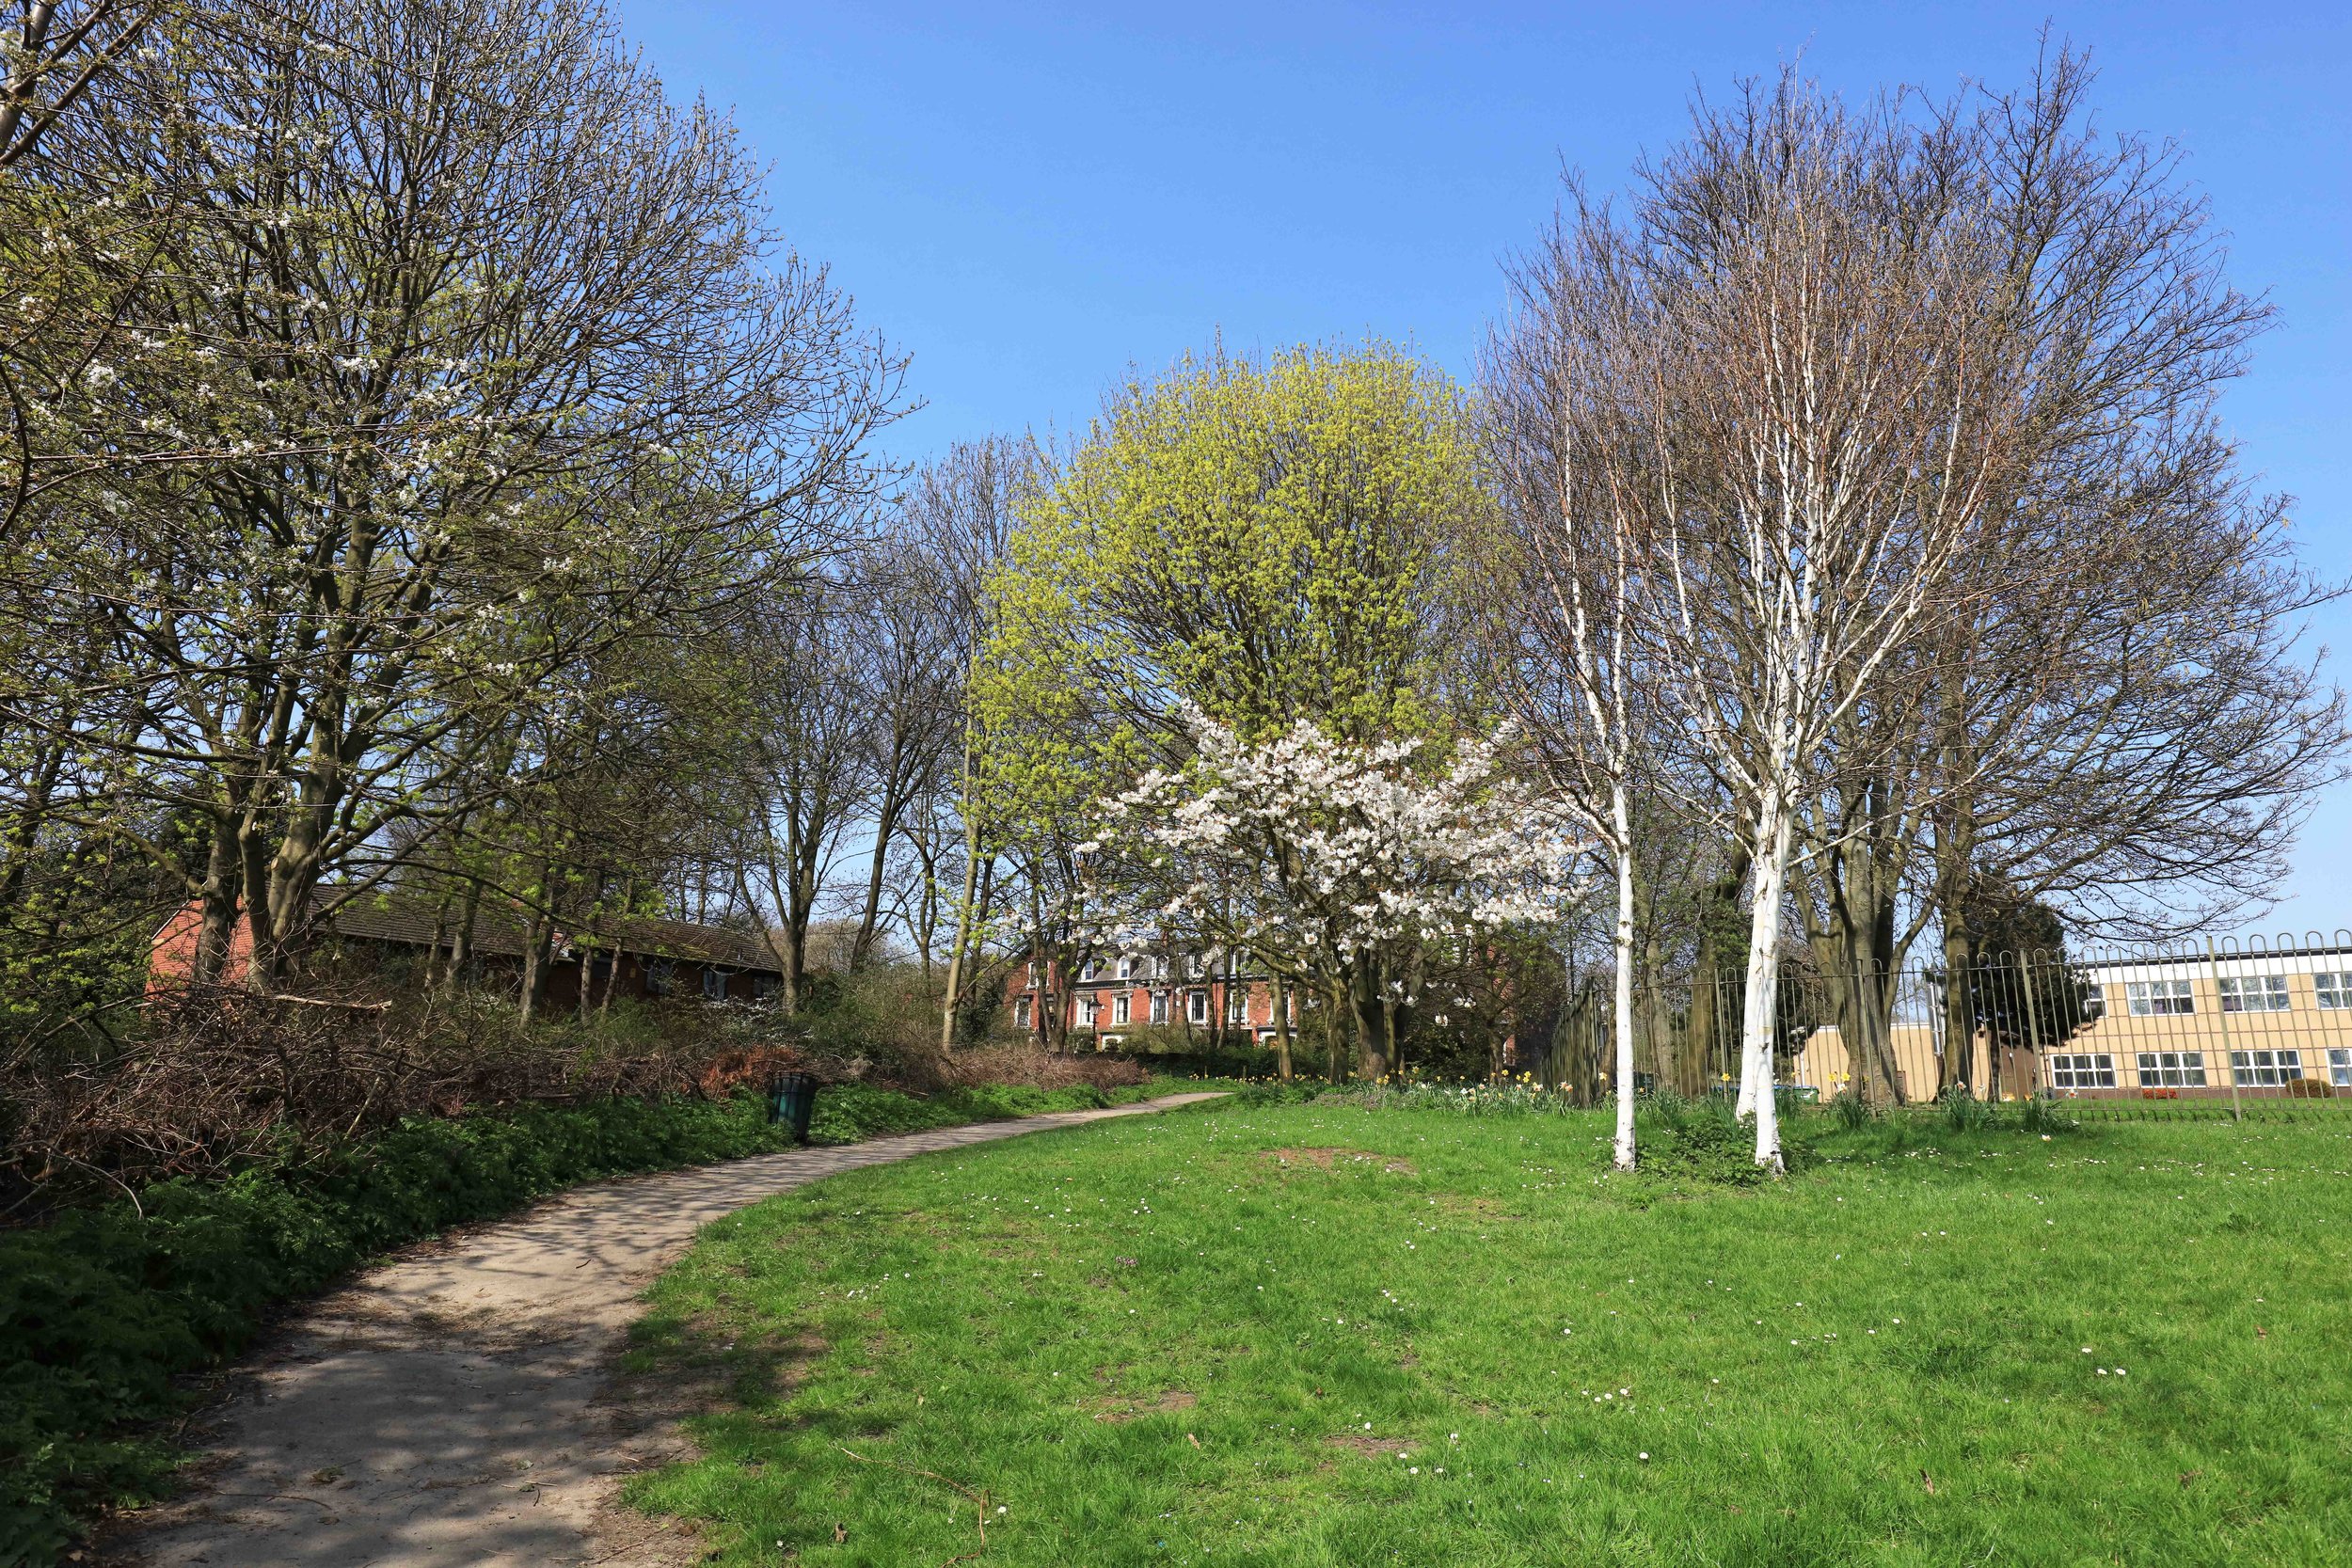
(1337, 863)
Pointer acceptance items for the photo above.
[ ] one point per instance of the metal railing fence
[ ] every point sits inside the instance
(2209, 1028)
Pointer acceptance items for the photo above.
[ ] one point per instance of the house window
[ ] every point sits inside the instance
(2334, 988)
(1021, 1012)
(1269, 1036)
(763, 987)
(1088, 1005)
(2172, 1069)
(1197, 1006)
(714, 984)
(661, 974)
(1126, 968)
(2272, 1067)
(1094, 969)
(1236, 1004)
(2159, 998)
(2082, 1071)
(1033, 974)
(2340, 1066)
(1159, 1006)
(1107, 1042)
(1120, 1006)
(2255, 993)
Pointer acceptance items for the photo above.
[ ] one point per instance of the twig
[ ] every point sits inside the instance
(979, 1499)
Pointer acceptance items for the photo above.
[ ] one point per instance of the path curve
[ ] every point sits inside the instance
(451, 1407)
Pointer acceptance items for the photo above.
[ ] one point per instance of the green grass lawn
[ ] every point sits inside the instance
(1196, 1338)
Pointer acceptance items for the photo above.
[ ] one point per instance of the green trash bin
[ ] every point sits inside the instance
(792, 1099)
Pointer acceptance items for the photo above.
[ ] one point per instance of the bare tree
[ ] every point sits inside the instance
(459, 315)
(1576, 481)
(1830, 411)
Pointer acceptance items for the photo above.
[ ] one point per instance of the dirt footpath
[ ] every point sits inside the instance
(456, 1405)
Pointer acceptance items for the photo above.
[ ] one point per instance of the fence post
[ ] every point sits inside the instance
(2213, 967)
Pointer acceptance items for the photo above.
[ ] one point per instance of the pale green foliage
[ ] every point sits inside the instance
(1271, 542)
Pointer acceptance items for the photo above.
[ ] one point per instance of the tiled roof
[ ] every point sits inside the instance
(391, 917)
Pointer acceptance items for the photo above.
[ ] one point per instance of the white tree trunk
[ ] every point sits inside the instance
(1775, 827)
(1621, 818)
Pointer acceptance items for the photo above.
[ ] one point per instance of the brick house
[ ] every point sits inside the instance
(396, 936)
(1116, 992)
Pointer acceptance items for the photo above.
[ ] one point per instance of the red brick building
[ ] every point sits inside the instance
(396, 936)
(1118, 992)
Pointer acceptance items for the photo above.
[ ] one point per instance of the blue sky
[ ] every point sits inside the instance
(1030, 198)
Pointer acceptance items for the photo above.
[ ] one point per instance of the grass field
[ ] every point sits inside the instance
(1325, 1334)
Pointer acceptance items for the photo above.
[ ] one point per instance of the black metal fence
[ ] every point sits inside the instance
(2236, 1028)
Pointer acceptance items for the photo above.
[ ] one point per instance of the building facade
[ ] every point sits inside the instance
(394, 937)
(1117, 994)
(2192, 1027)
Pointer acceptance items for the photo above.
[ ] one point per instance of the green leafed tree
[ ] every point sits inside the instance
(1270, 541)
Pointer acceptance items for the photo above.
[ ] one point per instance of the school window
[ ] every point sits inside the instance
(2172, 1070)
(1119, 1007)
(2158, 998)
(2254, 993)
(2334, 988)
(1021, 1012)
(1197, 1006)
(2082, 1070)
(1159, 1006)
(2266, 1067)
(2340, 1066)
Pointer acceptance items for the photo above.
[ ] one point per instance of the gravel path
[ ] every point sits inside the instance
(457, 1405)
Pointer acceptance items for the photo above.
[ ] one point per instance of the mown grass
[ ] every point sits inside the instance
(1195, 1338)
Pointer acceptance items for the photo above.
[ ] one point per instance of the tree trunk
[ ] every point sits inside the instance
(1621, 818)
(1283, 1028)
(1775, 826)
(1705, 1051)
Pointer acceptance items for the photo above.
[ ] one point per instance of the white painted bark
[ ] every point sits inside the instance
(1774, 827)
(1621, 816)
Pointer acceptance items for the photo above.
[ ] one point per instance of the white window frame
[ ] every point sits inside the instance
(2271, 1067)
(1121, 1006)
(2254, 993)
(1236, 1003)
(2159, 998)
(1159, 1006)
(2082, 1069)
(1196, 1006)
(1089, 1007)
(1021, 1013)
(2172, 1070)
(1033, 974)
(1126, 968)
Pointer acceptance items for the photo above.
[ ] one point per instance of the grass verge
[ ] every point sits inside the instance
(1325, 1334)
